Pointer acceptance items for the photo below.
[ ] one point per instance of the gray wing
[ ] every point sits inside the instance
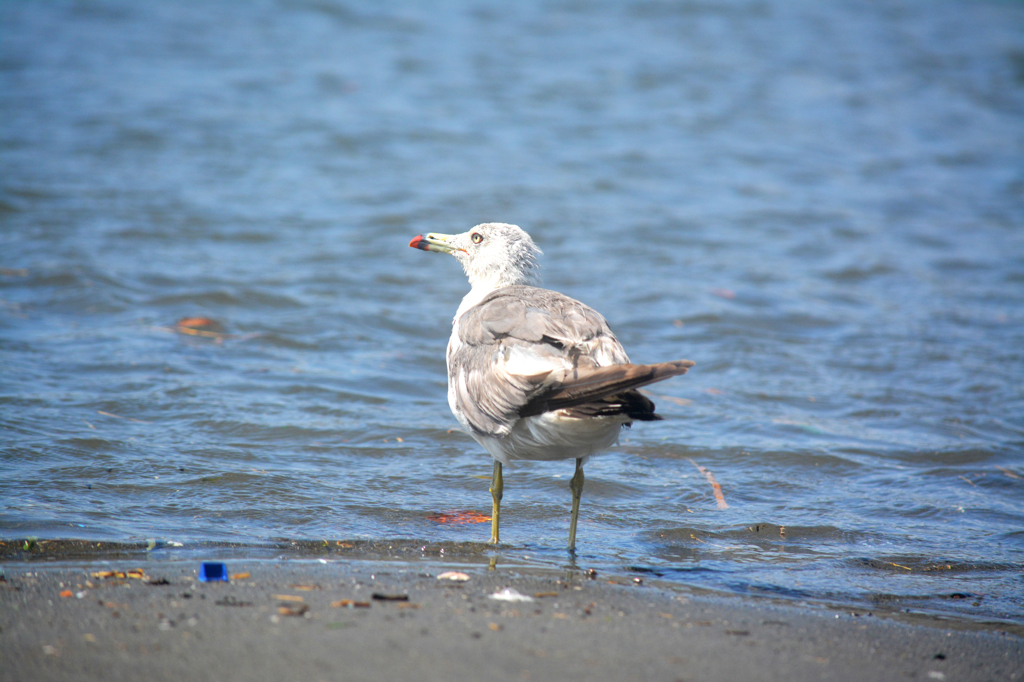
(514, 343)
(523, 351)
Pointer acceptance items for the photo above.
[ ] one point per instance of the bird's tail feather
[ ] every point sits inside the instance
(589, 385)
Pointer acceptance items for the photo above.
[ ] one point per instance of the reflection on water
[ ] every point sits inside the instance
(819, 203)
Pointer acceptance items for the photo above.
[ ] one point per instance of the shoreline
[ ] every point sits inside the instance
(49, 552)
(316, 617)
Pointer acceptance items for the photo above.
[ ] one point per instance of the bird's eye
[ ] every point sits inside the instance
(477, 237)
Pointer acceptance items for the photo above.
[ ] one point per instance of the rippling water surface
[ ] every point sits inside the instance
(822, 204)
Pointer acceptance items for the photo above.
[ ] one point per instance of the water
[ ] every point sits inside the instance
(822, 204)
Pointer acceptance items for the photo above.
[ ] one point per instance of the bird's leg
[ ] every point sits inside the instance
(497, 487)
(576, 486)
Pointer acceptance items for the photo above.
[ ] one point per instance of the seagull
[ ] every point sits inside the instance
(532, 373)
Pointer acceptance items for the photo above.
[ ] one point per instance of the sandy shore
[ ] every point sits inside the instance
(342, 619)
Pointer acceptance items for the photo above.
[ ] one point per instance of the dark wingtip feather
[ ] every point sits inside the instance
(602, 382)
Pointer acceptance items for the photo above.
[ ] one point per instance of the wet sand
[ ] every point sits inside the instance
(341, 619)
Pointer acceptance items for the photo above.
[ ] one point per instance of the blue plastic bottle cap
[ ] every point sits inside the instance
(213, 571)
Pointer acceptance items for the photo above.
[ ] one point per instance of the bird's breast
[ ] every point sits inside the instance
(553, 436)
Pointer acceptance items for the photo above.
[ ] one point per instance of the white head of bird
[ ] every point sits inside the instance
(493, 255)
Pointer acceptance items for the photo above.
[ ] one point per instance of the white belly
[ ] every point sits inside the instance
(553, 436)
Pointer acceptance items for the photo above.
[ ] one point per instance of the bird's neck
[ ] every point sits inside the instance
(476, 294)
(484, 283)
